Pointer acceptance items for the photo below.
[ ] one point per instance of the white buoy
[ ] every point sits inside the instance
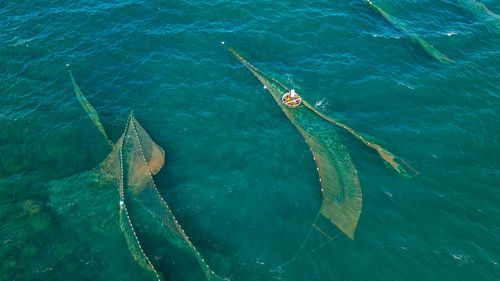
(223, 42)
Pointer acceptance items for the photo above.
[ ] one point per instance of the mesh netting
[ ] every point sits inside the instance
(339, 181)
(141, 157)
(90, 203)
(120, 194)
(89, 109)
(480, 10)
(429, 48)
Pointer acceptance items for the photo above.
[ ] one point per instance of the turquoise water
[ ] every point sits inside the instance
(238, 176)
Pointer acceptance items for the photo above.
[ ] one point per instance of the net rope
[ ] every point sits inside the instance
(138, 162)
(297, 256)
(210, 274)
(124, 214)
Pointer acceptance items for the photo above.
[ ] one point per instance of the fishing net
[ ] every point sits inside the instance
(342, 196)
(90, 203)
(89, 109)
(140, 158)
(480, 10)
(339, 180)
(429, 48)
(121, 194)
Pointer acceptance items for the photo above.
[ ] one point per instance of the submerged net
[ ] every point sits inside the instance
(480, 10)
(121, 194)
(91, 203)
(342, 196)
(101, 200)
(89, 109)
(385, 154)
(338, 176)
(141, 158)
(429, 48)
(88, 205)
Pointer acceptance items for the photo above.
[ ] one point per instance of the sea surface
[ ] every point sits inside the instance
(238, 175)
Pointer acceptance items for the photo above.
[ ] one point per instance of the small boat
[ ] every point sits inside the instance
(291, 99)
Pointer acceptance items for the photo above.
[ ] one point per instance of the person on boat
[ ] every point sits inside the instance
(291, 95)
(291, 99)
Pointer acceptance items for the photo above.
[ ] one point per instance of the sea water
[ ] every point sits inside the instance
(238, 176)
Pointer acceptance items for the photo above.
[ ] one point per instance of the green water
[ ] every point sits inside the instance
(238, 175)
